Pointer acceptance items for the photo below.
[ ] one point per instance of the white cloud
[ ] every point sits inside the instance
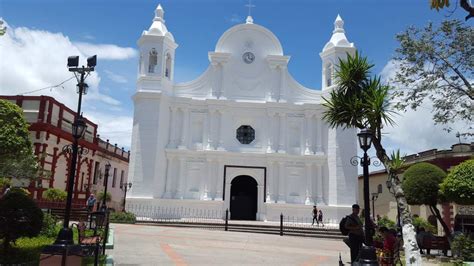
(115, 128)
(115, 77)
(234, 19)
(32, 59)
(106, 51)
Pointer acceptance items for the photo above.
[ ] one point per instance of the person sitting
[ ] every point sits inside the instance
(420, 236)
(388, 248)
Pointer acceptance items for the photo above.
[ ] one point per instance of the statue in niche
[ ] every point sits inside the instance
(153, 61)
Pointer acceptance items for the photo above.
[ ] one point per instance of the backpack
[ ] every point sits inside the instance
(342, 226)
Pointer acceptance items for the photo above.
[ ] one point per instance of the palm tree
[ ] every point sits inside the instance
(361, 101)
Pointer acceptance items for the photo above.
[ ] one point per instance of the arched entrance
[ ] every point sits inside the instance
(243, 198)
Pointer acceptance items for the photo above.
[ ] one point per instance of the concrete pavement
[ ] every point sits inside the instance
(155, 245)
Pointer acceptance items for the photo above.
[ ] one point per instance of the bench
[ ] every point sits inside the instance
(75, 215)
(436, 242)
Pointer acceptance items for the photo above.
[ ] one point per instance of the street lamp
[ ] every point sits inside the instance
(64, 241)
(125, 187)
(368, 253)
(78, 130)
(106, 180)
(375, 196)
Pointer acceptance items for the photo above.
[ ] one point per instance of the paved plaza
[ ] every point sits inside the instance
(157, 245)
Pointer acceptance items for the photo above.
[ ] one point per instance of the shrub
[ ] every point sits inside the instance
(19, 216)
(25, 251)
(55, 194)
(420, 222)
(21, 190)
(459, 184)
(122, 217)
(100, 196)
(384, 221)
(421, 183)
(4, 182)
(463, 246)
(50, 225)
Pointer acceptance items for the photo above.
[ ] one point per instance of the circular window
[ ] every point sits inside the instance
(245, 134)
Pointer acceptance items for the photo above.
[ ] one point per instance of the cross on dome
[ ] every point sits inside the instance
(249, 19)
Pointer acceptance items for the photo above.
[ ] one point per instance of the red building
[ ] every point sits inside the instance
(50, 131)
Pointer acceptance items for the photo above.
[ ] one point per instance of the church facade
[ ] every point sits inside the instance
(244, 136)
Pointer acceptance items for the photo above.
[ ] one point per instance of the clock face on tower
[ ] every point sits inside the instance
(248, 57)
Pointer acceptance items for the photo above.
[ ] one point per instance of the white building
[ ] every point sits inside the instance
(244, 135)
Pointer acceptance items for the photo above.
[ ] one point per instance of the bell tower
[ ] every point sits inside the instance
(337, 48)
(157, 55)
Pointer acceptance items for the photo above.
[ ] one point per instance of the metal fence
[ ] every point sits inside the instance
(177, 215)
(219, 220)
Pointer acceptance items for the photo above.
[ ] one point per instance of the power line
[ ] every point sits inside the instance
(49, 87)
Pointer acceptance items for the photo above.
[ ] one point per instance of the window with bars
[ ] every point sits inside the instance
(245, 134)
(114, 179)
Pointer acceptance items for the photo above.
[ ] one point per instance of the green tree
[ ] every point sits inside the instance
(19, 216)
(437, 64)
(421, 185)
(16, 152)
(361, 101)
(458, 186)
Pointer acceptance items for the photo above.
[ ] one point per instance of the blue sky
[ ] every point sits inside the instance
(302, 26)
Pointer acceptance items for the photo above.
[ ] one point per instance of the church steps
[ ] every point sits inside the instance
(255, 228)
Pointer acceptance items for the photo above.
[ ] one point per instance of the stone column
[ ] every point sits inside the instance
(215, 83)
(282, 135)
(319, 183)
(169, 178)
(220, 116)
(281, 98)
(319, 132)
(181, 180)
(270, 182)
(281, 183)
(172, 136)
(219, 179)
(309, 190)
(210, 125)
(184, 131)
(271, 131)
(308, 134)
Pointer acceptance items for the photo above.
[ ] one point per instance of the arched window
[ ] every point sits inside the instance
(153, 61)
(168, 66)
(329, 74)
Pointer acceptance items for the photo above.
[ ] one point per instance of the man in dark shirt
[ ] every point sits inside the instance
(356, 232)
(315, 215)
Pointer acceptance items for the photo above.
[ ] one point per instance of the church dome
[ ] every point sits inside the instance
(249, 36)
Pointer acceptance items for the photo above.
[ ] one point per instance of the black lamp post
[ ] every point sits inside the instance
(106, 181)
(64, 242)
(125, 187)
(78, 130)
(367, 255)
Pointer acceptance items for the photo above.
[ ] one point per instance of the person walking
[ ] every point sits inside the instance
(356, 232)
(90, 203)
(320, 217)
(315, 214)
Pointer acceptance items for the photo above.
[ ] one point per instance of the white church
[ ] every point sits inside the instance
(244, 136)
